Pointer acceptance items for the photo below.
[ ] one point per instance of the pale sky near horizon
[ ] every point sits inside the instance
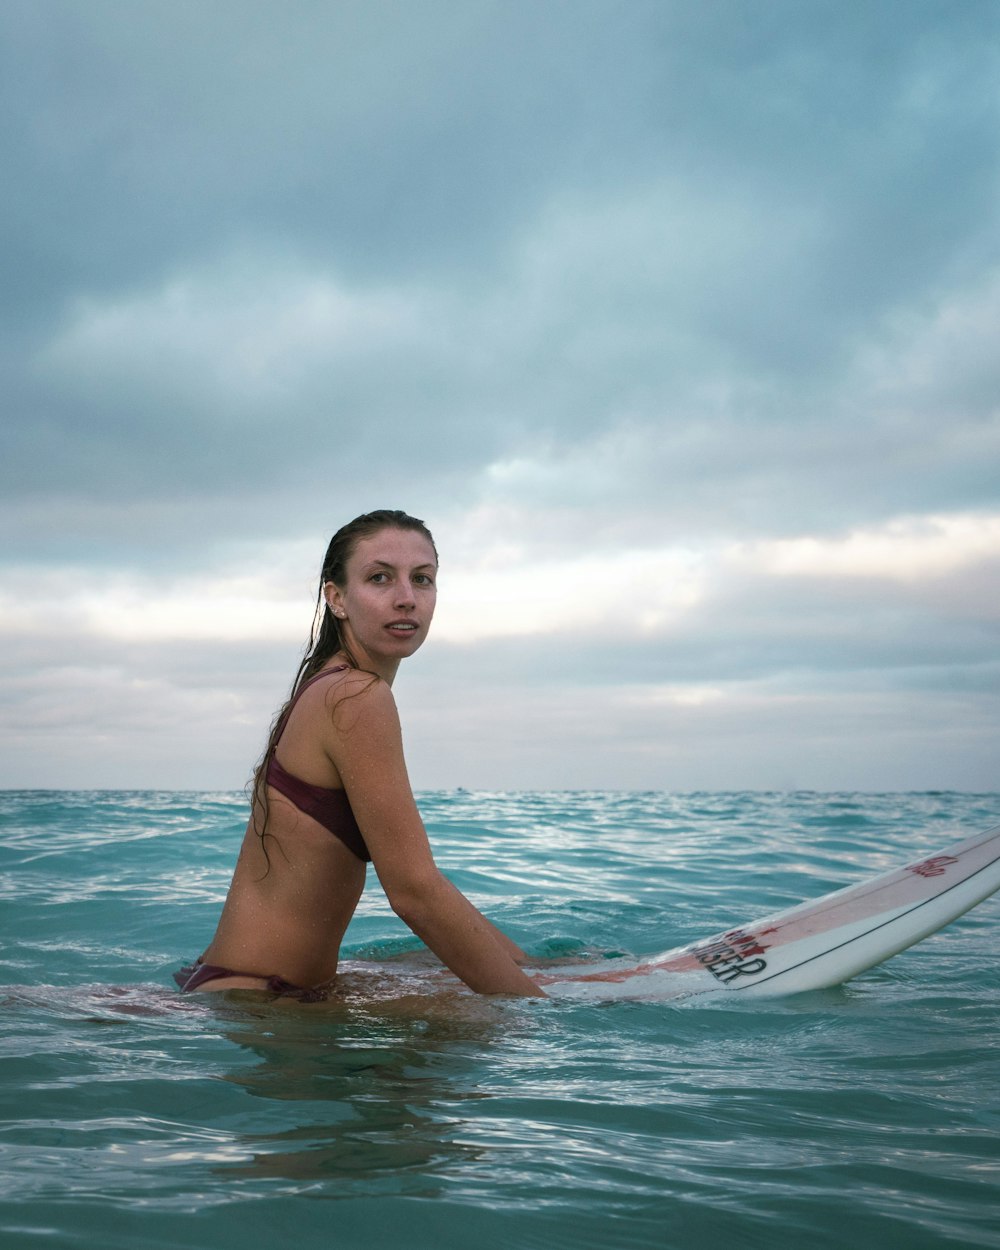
(677, 321)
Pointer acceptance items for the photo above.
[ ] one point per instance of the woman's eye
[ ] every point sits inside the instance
(379, 578)
(423, 579)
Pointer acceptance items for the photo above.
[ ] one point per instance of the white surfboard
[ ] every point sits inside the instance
(810, 946)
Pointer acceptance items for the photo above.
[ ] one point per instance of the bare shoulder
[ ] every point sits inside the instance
(359, 703)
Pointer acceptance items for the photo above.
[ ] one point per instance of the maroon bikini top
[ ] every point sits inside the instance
(330, 808)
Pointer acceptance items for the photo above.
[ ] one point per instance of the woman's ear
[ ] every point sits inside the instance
(334, 600)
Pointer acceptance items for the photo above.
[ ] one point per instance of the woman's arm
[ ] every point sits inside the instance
(443, 918)
(366, 746)
(507, 943)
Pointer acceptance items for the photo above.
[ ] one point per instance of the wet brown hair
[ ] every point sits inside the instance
(326, 638)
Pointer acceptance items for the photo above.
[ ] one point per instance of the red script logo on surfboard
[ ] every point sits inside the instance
(933, 867)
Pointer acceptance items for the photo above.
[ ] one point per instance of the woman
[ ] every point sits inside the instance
(332, 793)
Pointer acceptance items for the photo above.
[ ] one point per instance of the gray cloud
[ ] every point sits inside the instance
(620, 277)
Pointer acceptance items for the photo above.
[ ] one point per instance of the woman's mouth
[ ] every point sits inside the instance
(402, 627)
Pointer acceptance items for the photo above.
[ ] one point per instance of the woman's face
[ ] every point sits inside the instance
(387, 602)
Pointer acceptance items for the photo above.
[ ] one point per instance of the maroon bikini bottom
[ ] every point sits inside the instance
(194, 976)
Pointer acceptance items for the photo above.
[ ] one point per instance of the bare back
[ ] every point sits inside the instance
(293, 892)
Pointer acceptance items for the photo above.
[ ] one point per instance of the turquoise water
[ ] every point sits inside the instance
(862, 1116)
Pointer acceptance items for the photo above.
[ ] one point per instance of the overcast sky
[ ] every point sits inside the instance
(677, 321)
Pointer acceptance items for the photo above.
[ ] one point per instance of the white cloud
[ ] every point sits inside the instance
(666, 696)
(617, 594)
(134, 607)
(503, 577)
(905, 549)
(503, 593)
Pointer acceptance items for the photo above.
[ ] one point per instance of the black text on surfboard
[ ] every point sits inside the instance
(735, 954)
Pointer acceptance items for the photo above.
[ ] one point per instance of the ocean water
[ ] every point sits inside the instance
(863, 1116)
